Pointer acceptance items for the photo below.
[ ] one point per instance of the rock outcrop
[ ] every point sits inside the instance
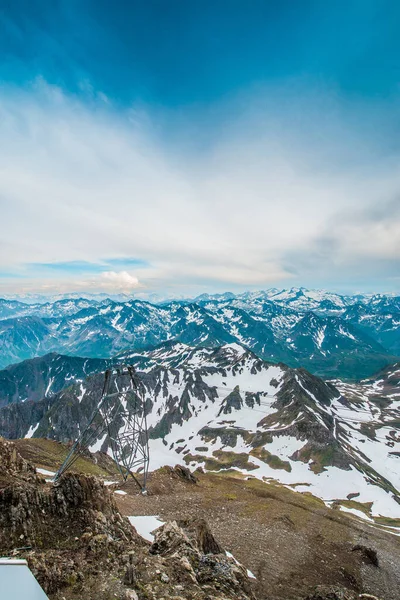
(199, 558)
(78, 545)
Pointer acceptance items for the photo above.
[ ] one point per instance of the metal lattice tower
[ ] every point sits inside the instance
(121, 415)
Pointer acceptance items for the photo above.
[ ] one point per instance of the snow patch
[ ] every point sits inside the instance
(31, 431)
(145, 525)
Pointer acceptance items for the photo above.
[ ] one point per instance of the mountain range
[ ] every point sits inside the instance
(224, 408)
(331, 335)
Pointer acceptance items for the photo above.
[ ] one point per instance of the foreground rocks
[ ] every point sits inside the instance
(78, 545)
(326, 592)
(194, 554)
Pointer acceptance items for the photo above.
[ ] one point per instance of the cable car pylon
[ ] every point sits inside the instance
(119, 416)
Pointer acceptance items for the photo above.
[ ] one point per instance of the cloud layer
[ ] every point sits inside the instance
(121, 281)
(281, 189)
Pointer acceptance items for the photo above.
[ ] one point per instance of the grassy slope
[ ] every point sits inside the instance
(49, 454)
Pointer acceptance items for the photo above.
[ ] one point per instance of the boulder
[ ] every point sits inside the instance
(198, 557)
(331, 592)
(170, 538)
(184, 473)
(201, 536)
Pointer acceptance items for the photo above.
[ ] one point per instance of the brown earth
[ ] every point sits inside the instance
(290, 541)
(50, 454)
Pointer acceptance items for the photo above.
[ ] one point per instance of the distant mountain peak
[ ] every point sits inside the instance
(330, 334)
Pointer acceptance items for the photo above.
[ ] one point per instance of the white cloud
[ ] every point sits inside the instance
(121, 281)
(83, 182)
(108, 281)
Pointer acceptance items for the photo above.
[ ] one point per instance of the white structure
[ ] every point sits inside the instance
(17, 581)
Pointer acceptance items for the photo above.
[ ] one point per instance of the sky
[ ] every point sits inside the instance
(175, 148)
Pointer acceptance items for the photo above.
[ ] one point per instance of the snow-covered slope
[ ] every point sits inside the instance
(224, 408)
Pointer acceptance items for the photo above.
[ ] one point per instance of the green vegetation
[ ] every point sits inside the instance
(364, 507)
(388, 521)
(271, 459)
(231, 459)
(222, 460)
(329, 455)
(50, 454)
(231, 497)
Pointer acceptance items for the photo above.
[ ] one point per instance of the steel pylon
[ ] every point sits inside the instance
(120, 415)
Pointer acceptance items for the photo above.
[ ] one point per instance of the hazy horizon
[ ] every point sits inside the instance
(147, 296)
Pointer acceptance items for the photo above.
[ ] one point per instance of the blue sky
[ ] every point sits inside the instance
(179, 147)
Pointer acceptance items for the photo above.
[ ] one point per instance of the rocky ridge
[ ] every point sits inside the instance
(78, 545)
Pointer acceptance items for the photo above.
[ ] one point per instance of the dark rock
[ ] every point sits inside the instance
(223, 572)
(171, 538)
(184, 473)
(130, 577)
(331, 592)
(368, 555)
(201, 536)
(78, 545)
(232, 401)
(39, 515)
(201, 557)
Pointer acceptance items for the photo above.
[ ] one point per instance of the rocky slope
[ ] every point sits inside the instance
(78, 544)
(44, 376)
(329, 334)
(294, 545)
(225, 408)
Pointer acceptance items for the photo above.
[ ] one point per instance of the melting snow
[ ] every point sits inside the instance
(49, 385)
(31, 431)
(81, 394)
(145, 525)
(356, 512)
(320, 336)
(346, 333)
(45, 472)
(96, 447)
